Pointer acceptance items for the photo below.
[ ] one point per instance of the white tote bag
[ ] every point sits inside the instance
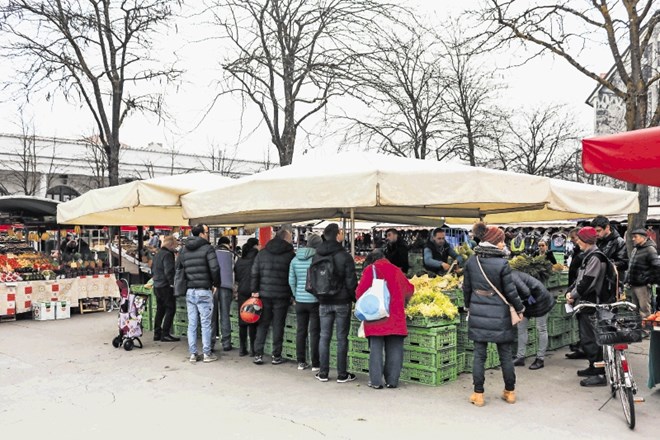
(374, 305)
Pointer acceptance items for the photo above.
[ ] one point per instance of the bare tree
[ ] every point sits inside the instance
(565, 29)
(93, 52)
(23, 161)
(541, 142)
(292, 56)
(97, 162)
(475, 122)
(402, 83)
(220, 159)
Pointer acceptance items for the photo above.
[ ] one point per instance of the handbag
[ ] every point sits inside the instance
(375, 303)
(180, 282)
(515, 318)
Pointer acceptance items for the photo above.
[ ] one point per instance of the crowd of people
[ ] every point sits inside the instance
(279, 275)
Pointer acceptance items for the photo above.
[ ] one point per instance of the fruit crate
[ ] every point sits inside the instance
(492, 358)
(358, 362)
(463, 342)
(460, 363)
(559, 309)
(358, 345)
(180, 304)
(559, 341)
(563, 279)
(552, 281)
(410, 373)
(424, 322)
(355, 324)
(558, 326)
(431, 339)
(147, 322)
(432, 361)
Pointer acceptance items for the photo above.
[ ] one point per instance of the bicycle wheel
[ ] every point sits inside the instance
(608, 360)
(625, 393)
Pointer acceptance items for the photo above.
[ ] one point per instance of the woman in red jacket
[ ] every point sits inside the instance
(386, 334)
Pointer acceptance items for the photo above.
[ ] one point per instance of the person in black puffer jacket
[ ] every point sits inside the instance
(610, 243)
(198, 261)
(644, 270)
(538, 303)
(270, 282)
(243, 278)
(162, 270)
(489, 319)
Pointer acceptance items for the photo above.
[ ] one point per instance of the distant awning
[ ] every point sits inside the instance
(28, 206)
(631, 156)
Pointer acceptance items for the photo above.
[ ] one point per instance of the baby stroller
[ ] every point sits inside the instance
(131, 307)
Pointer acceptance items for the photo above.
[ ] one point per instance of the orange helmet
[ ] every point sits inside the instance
(251, 310)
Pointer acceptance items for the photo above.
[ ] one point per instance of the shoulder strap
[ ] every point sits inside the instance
(491, 284)
(373, 269)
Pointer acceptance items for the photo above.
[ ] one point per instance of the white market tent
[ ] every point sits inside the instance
(142, 202)
(382, 188)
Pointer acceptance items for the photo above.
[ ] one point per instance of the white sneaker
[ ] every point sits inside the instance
(303, 365)
(316, 369)
(210, 358)
(193, 358)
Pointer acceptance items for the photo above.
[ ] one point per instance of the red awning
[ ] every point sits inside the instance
(632, 156)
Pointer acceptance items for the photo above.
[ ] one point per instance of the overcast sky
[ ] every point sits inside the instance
(544, 80)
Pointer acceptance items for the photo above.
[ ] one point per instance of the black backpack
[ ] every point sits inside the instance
(322, 277)
(611, 288)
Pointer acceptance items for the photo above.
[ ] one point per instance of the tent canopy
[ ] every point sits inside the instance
(142, 202)
(399, 190)
(28, 205)
(632, 156)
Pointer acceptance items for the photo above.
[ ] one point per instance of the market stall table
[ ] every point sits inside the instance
(19, 297)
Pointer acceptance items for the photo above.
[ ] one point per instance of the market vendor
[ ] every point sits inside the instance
(437, 252)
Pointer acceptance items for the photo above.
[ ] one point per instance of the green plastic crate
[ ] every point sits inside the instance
(434, 361)
(492, 358)
(358, 345)
(432, 339)
(410, 373)
(559, 341)
(558, 326)
(424, 322)
(563, 278)
(358, 362)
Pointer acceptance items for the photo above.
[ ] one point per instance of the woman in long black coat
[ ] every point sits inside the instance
(242, 271)
(489, 319)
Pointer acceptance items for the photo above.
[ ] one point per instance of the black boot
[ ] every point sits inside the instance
(157, 335)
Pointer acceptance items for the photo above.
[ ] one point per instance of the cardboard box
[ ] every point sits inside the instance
(43, 311)
(62, 310)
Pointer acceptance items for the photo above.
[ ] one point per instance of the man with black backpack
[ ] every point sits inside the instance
(592, 285)
(331, 278)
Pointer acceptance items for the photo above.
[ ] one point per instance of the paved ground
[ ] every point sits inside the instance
(62, 378)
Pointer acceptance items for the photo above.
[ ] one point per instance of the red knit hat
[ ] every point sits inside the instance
(494, 235)
(587, 235)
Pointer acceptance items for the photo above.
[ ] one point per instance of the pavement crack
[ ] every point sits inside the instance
(301, 424)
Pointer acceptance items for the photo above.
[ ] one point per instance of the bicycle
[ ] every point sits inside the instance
(614, 331)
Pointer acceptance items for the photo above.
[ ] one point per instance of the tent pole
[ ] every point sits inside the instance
(353, 232)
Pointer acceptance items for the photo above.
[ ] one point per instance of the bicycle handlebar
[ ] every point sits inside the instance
(584, 305)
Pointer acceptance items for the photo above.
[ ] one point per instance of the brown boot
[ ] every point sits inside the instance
(509, 396)
(477, 399)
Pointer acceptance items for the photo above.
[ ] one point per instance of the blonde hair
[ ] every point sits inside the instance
(169, 241)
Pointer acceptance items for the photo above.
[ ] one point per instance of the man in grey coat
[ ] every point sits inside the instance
(226, 262)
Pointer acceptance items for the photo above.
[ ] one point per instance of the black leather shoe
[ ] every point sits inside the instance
(227, 348)
(170, 338)
(537, 364)
(594, 381)
(157, 337)
(591, 371)
(576, 355)
(243, 353)
(519, 362)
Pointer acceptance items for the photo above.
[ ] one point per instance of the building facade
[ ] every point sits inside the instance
(63, 169)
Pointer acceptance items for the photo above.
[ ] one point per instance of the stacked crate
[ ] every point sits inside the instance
(429, 352)
(562, 327)
(465, 348)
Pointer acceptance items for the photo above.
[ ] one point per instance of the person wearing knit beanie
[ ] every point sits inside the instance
(588, 235)
(488, 234)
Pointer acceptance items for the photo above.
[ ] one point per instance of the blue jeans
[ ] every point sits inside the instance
(199, 303)
(329, 314)
(393, 363)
